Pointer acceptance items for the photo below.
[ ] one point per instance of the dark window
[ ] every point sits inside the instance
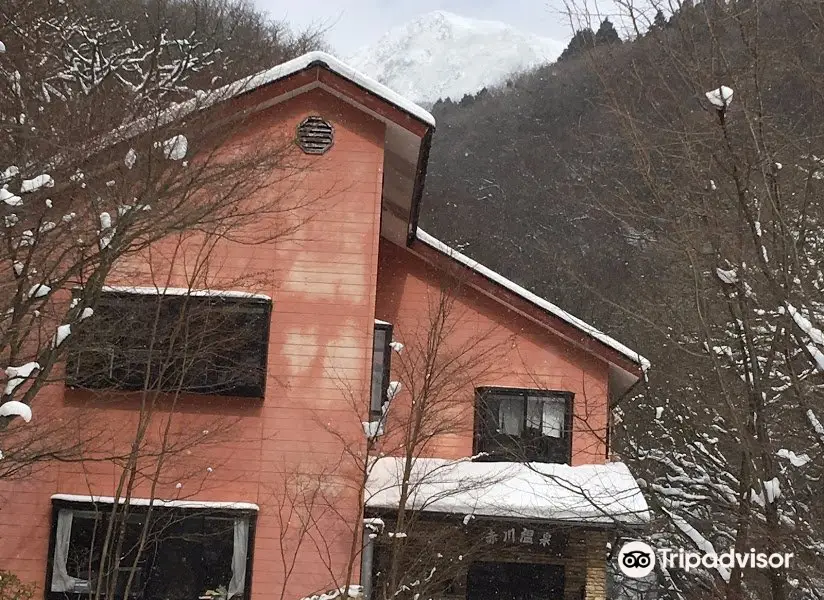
(514, 581)
(186, 553)
(523, 425)
(201, 344)
(381, 355)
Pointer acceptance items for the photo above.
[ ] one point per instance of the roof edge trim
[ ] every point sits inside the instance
(534, 299)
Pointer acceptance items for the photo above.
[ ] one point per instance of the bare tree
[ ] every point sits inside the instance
(438, 359)
(711, 151)
(100, 164)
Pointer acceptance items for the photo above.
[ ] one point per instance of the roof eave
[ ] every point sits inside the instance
(420, 180)
(633, 364)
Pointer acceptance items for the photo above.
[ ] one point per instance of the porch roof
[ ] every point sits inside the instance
(604, 495)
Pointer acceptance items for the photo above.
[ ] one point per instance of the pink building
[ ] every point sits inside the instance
(352, 324)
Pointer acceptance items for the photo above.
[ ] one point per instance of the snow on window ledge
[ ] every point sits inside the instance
(158, 503)
(373, 429)
(354, 591)
(171, 291)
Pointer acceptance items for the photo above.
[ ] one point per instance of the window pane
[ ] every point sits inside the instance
(534, 413)
(379, 358)
(548, 415)
(511, 416)
(207, 345)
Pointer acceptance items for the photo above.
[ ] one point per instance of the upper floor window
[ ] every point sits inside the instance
(381, 355)
(523, 425)
(204, 343)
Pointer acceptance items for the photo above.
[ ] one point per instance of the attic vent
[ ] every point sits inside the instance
(315, 136)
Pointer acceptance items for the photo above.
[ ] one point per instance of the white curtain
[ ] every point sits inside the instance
(554, 415)
(511, 416)
(61, 580)
(241, 546)
(534, 413)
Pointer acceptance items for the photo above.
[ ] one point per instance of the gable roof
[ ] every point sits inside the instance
(408, 127)
(334, 65)
(204, 99)
(570, 327)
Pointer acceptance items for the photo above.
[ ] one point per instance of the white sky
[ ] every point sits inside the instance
(356, 23)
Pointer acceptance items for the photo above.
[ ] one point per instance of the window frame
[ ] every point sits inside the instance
(480, 441)
(224, 303)
(375, 413)
(105, 507)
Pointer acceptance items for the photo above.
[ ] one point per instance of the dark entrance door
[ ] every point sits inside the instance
(514, 581)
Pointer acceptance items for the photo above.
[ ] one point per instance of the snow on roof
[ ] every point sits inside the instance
(158, 503)
(598, 494)
(342, 69)
(169, 291)
(247, 84)
(533, 298)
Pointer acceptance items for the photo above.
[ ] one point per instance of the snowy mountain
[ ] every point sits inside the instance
(443, 55)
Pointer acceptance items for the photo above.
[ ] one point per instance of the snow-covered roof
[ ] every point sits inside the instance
(592, 494)
(336, 66)
(533, 298)
(158, 503)
(247, 84)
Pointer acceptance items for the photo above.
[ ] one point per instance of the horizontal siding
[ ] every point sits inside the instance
(516, 351)
(322, 281)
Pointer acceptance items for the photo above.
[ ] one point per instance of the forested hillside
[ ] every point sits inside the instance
(668, 189)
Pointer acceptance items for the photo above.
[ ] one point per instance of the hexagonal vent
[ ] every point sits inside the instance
(315, 135)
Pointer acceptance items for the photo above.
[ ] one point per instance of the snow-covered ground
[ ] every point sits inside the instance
(443, 55)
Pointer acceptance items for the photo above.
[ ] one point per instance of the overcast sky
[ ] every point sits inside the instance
(357, 23)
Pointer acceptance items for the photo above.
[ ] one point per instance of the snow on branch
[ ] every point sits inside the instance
(130, 159)
(13, 408)
(174, 148)
(39, 291)
(816, 424)
(730, 277)
(720, 98)
(34, 184)
(9, 198)
(106, 231)
(796, 460)
(17, 375)
(815, 334)
(702, 543)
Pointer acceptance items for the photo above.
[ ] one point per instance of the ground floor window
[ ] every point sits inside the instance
(514, 581)
(168, 553)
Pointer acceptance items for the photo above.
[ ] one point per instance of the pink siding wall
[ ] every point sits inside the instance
(504, 349)
(322, 282)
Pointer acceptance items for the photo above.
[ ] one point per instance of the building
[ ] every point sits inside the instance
(370, 403)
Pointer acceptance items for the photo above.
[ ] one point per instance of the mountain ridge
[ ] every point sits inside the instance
(442, 55)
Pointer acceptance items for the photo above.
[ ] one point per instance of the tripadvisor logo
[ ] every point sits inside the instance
(637, 559)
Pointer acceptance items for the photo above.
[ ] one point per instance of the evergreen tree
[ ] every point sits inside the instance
(582, 40)
(607, 34)
(660, 21)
